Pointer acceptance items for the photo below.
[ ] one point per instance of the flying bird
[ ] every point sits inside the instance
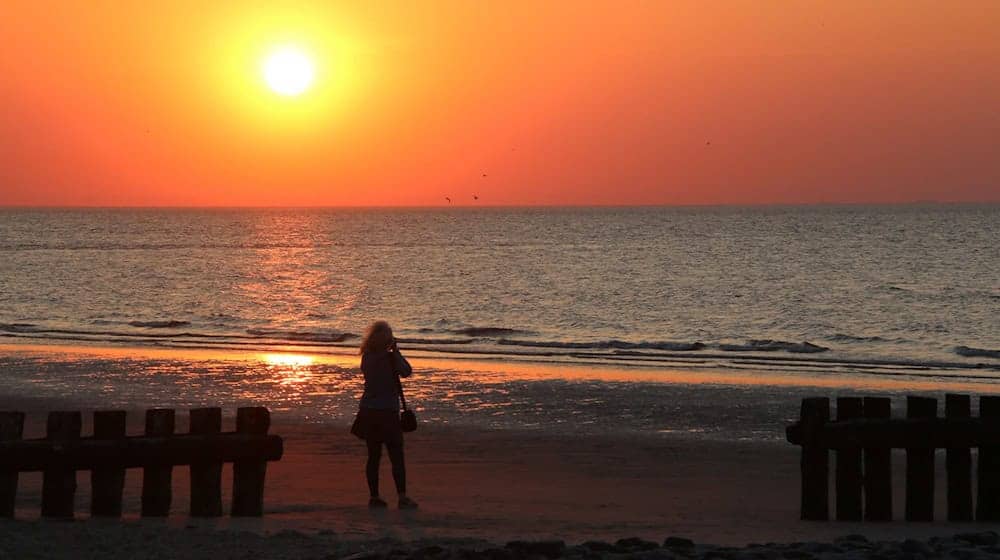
(448, 199)
(475, 197)
(484, 174)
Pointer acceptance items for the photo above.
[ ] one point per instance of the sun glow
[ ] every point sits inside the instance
(288, 71)
(279, 80)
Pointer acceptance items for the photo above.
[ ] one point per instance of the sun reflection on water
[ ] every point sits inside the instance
(289, 369)
(288, 360)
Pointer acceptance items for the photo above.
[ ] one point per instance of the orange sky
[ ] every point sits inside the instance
(656, 102)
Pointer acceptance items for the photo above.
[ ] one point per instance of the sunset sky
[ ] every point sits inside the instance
(660, 102)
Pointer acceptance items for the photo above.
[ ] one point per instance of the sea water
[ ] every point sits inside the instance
(843, 290)
(867, 284)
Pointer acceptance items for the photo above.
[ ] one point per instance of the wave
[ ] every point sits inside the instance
(303, 335)
(606, 345)
(839, 337)
(639, 353)
(17, 327)
(160, 324)
(774, 345)
(38, 330)
(970, 352)
(436, 340)
(257, 335)
(484, 332)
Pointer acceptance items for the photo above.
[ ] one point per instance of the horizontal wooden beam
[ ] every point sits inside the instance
(138, 451)
(938, 433)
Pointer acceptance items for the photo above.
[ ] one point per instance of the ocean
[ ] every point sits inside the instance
(908, 291)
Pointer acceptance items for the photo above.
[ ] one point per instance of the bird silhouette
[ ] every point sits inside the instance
(484, 174)
(448, 199)
(475, 197)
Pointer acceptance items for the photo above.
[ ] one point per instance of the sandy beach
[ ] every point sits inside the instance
(479, 485)
(482, 488)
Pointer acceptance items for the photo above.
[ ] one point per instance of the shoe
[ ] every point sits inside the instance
(407, 503)
(377, 503)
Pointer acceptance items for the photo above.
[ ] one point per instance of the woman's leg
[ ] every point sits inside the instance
(395, 447)
(371, 468)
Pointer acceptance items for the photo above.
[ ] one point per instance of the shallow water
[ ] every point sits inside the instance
(752, 405)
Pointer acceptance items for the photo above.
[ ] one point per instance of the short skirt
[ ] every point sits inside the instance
(377, 425)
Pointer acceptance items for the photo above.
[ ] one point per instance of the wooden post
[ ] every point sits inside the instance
(920, 465)
(959, 463)
(815, 460)
(878, 466)
(157, 481)
(11, 428)
(107, 483)
(248, 476)
(59, 483)
(988, 503)
(848, 471)
(206, 477)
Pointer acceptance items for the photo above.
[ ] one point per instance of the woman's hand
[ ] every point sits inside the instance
(392, 346)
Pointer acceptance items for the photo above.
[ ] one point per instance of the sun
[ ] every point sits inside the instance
(288, 71)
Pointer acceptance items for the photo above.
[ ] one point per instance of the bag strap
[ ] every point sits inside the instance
(399, 385)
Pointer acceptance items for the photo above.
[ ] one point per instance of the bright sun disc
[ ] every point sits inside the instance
(288, 71)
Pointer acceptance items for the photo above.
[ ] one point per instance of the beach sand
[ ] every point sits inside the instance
(527, 485)
(488, 487)
(479, 485)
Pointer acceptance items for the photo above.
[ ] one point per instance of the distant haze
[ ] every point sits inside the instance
(680, 102)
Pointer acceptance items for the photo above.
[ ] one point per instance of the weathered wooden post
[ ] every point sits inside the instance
(815, 460)
(959, 463)
(59, 482)
(878, 466)
(988, 503)
(848, 472)
(920, 465)
(11, 428)
(157, 481)
(107, 483)
(206, 476)
(248, 476)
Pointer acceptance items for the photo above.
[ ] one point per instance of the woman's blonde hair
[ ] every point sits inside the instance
(377, 337)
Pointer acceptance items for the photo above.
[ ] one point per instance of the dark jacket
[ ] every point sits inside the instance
(380, 369)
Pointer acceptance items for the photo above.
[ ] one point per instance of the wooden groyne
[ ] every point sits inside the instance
(109, 452)
(863, 434)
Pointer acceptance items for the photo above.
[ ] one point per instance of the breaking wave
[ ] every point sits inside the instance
(606, 345)
(332, 336)
(774, 345)
(840, 337)
(489, 332)
(970, 352)
(160, 324)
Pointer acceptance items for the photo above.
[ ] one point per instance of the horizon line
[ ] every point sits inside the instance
(488, 206)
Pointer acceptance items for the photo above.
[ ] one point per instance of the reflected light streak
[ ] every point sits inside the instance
(288, 360)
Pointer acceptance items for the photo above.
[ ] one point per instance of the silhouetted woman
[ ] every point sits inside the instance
(378, 412)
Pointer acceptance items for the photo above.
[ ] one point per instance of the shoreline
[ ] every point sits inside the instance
(803, 357)
(750, 373)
